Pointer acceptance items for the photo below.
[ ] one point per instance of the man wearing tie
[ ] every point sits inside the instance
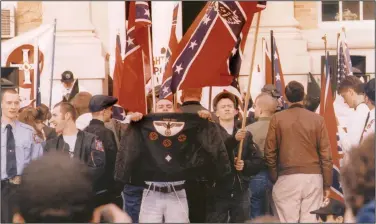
(18, 148)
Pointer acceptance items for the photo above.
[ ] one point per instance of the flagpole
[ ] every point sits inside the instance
(323, 79)
(151, 69)
(210, 98)
(336, 78)
(272, 53)
(249, 83)
(36, 71)
(53, 64)
(263, 40)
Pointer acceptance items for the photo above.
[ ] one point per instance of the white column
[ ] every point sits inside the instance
(116, 24)
(77, 48)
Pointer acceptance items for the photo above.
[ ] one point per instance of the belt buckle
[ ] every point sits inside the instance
(15, 180)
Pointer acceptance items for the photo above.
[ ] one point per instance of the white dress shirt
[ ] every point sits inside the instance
(355, 125)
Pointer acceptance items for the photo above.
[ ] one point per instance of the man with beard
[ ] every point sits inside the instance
(228, 198)
(18, 148)
(74, 142)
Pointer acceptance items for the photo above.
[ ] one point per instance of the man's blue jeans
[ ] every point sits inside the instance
(132, 196)
(259, 184)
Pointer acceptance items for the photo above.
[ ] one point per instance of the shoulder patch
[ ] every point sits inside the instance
(37, 139)
(99, 145)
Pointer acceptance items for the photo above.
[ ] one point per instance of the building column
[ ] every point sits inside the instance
(77, 48)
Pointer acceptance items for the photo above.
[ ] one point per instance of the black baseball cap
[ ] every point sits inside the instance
(369, 89)
(101, 102)
(67, 76)
(332, 207)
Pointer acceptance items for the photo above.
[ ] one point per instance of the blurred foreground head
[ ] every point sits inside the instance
(55, 189)
(358, 175)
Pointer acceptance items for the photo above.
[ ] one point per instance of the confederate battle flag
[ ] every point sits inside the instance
(211, 51)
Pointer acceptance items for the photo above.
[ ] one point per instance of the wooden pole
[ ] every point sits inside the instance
(249, 84)
(210, 98)
(272, 53)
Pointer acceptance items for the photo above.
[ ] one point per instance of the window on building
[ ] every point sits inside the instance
(347, 10)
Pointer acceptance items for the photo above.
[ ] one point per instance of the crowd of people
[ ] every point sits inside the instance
(183, 163)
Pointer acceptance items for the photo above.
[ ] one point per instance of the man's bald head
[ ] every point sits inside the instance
(265, 105)
(164, 106)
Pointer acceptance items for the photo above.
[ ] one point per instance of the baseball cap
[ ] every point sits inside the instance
(101, 102)
(271, 89)
(67, 76)
(331, 207)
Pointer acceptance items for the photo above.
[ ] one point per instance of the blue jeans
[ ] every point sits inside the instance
(259, 184)
(132, 196)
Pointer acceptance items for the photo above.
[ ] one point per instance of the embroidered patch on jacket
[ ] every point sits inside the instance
(167, 143)
(37, 139)
(182, 138)
(153, 136)
(168, 128)
(99, 145)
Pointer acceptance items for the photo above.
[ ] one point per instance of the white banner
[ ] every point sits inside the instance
(161, 29)
(19, 52)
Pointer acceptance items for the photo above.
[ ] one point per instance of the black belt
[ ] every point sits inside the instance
(165, 189)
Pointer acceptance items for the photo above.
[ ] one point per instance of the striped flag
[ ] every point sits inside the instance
(118, 70)
(267, 65)
(279, 80)
(327, 111)
(201, 58)
(138, 56)
(344, 60)
(172, 45)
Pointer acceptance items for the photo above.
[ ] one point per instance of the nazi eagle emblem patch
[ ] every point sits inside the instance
(168, 128)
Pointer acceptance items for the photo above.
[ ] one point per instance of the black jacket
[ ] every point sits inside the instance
(253, 162)
(195, 106)
(167, 147)
(87, 149)
(105, 135)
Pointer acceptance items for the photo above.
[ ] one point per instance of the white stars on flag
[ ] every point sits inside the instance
(278, 77)
(206, 20)
(193, 44)
(130, 41)
(147, 12)
(166, 89)
(179, 68)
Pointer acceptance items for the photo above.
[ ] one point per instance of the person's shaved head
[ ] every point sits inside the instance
(164, 106)
(265, 105)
